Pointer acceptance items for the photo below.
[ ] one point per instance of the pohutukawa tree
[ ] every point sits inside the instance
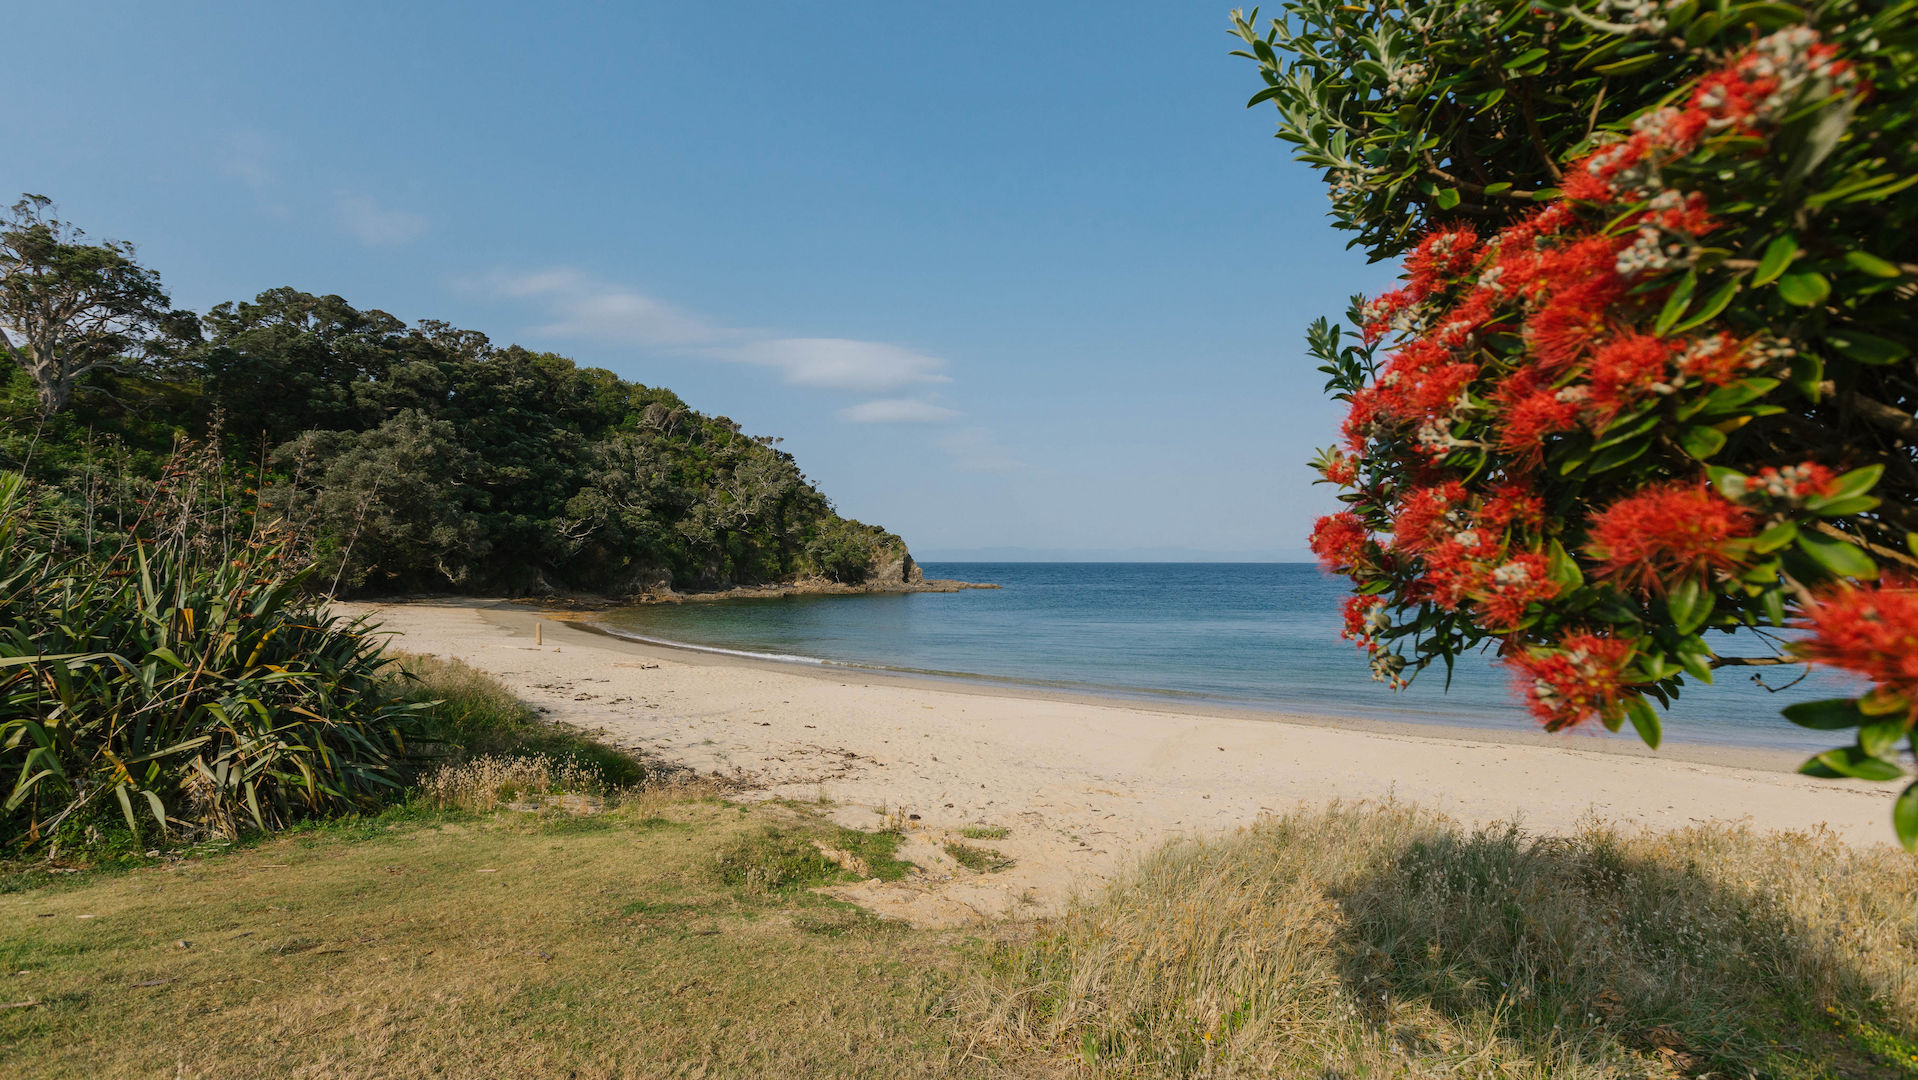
(1642, 405)
(69, 308)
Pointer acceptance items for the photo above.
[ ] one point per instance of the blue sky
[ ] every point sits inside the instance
(1002, 274)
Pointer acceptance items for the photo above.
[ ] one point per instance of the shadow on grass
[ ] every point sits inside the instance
(1708, 951)
(1382, 940)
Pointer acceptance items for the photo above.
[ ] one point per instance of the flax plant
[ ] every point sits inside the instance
(181, 673)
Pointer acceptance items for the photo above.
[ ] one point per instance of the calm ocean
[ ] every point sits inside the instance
(1258, 635)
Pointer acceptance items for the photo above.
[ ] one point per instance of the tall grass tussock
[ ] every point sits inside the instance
(1388, 941)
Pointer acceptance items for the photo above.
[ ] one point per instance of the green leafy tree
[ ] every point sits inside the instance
(394, 506)
(1649, 376)
(69, 309)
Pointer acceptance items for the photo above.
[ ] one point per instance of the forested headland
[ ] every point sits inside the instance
(405, 457)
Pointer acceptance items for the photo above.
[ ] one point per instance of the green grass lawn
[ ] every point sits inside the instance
(670, 936)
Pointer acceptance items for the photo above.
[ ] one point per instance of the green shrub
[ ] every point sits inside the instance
(180, 676)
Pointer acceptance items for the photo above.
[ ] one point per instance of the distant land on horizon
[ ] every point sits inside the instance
(1117, 555)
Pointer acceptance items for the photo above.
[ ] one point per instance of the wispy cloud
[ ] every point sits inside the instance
(842, 364)
(897, 411)
(584, 308)
(374, 225)
(976, 449)
(581, 306)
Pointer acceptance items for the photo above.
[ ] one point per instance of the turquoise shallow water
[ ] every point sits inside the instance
(1255, 635)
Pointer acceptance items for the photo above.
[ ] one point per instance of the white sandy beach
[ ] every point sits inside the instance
(1081, 784)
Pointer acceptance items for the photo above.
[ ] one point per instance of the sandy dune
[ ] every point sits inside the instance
(1080, 785)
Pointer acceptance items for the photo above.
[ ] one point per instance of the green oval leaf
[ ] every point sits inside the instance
(1804, 289)
(1853, 762)
(1904, 818)
(1872, 264)
(1644, 721)
(1866, 348)
(1838, 557)
(1676, 303)
(1714, 304)
(1778, 255)
(1700, 441)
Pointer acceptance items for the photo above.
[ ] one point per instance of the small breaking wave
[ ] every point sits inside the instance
(784, 658)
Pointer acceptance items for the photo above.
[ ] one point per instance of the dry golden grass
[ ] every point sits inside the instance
(1385, 941)
(490, 782)
(510, 945)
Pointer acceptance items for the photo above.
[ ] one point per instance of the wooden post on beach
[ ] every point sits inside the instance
(539, 631)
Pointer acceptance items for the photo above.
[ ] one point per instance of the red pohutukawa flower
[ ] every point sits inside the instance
(1628, 369)
(1440, 257)
(1514, 586)
(1513, 505)
(1790, 484)
(1424, 516)
(1573, 682)
(1533, 412)
(1661, 535)
(1872, 630)
(1457, 568)
(1363, 621)
(1339, 540)
(1342, 469)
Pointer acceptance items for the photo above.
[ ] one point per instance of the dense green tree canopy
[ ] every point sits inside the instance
(413, 457)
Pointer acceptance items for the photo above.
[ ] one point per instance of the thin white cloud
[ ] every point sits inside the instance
(897, 411)
(581, 306)
(976, 449)
(841, 364)
(584, 308)
(375, 225)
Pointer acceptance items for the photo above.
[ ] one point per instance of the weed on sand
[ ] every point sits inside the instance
(1386, 941)
(975, 858)
(535, 944)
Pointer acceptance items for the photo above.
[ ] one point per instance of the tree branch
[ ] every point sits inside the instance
(1880, 415)
(1833, 531)
(1538, 137)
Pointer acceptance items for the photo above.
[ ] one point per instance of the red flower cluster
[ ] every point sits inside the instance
(1439, 258)
(1513, 506)
(1872, 630)
(1628, 368)
(1362, 621)
(1791, 484)
(1512, 587)
(1578, 679)
(1668, 533)
(1428, 515)
(1342, 469)
(1339, 540)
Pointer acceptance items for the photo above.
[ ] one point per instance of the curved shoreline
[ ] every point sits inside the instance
(1763, 758)
(1081, 786)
